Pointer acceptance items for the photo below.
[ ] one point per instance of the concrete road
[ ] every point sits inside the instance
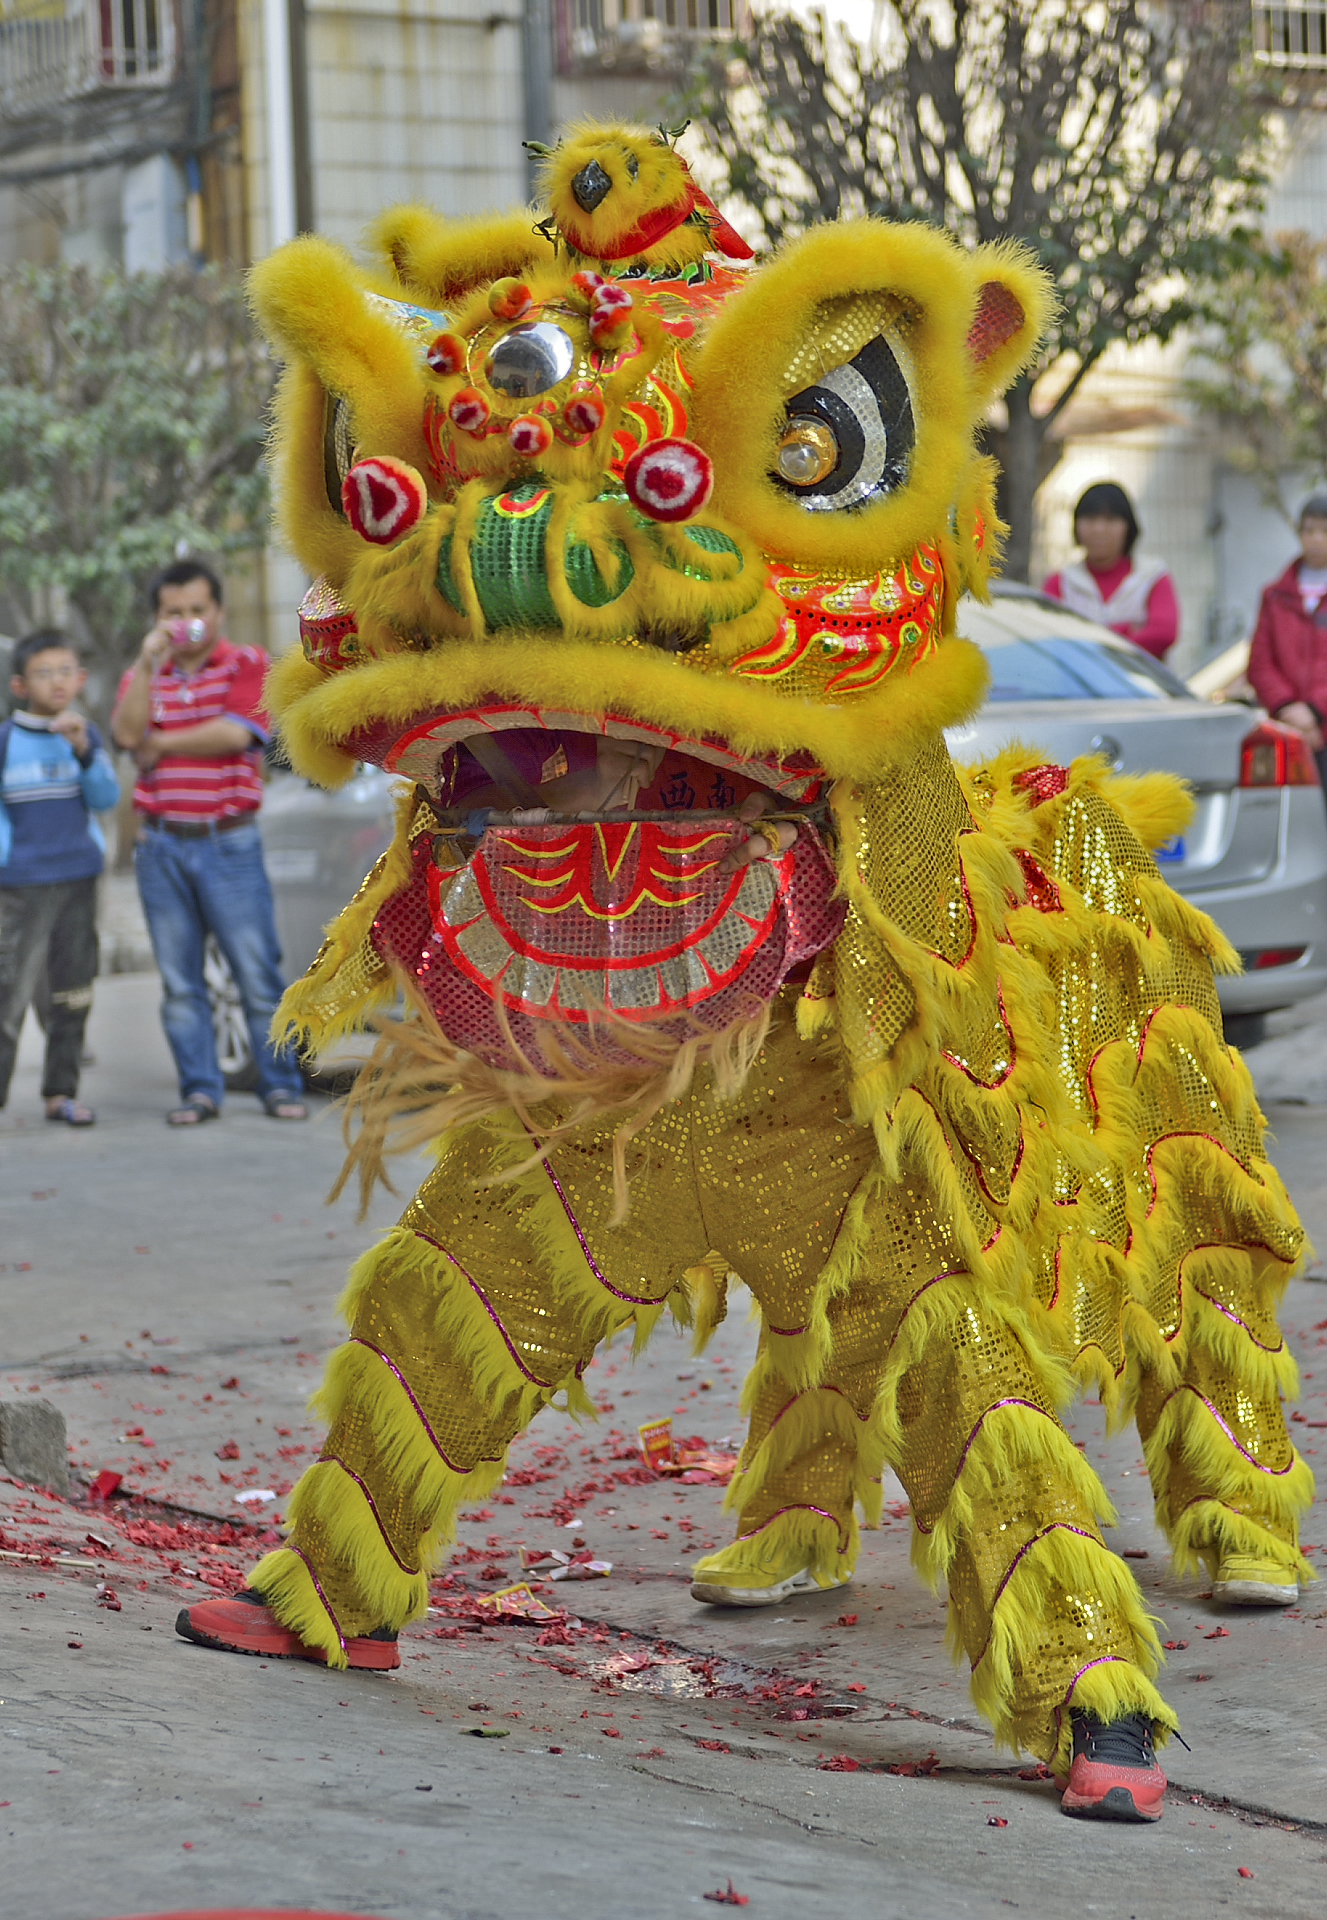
(173, 1295)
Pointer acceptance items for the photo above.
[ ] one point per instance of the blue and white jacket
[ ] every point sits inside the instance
(47, 799)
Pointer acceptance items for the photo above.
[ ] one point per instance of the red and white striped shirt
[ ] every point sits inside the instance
(228, 686)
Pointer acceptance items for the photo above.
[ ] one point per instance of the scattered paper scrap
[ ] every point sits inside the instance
(517, 1601)
(582, 1567)
(656, 1443)
(254, 1497)
(488, 1733)
(729, 1896)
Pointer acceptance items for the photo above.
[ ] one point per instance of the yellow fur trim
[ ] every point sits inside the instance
(439, 261)
(319, 712)
(1188, 1430)
(347, 981)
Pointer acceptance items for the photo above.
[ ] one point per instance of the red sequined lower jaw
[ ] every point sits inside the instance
(561, 940)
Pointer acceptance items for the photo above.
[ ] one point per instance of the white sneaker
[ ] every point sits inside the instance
(717, 1596)
(1249, 1580)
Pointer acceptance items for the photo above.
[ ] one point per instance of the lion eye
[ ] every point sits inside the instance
(849, 438)
(808, 452)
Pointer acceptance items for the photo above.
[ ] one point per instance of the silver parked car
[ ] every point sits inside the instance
(318, 847)
(1255, 857)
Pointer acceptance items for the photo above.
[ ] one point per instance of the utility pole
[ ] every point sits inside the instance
(537, 66)
(281, 219)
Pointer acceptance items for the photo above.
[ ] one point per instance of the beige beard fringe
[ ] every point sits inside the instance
(417, 1084)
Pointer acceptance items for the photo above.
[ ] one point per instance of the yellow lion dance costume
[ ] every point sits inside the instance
(641, 564)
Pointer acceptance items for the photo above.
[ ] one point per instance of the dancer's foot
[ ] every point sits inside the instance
(1249, 1580)
(244, 1623)
(1115, 1775)
(718, 1585)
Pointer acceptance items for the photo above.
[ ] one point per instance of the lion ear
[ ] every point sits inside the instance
(998, 320)
(1014, 303)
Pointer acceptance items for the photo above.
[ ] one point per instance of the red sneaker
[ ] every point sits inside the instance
(1115, 1775)
(244, 1623)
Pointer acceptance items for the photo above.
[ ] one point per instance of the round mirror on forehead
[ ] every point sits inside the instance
(529, 360)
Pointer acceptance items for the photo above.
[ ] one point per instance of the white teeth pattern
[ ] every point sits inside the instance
(633, 990)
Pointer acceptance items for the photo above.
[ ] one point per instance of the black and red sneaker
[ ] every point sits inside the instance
(244, 1623)
(1115, 1775)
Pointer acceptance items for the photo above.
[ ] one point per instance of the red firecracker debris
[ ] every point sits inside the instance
(229, 1451)
(847, 1619)
(1218, 1633)
(1246, 1873)
(994, 1820)
(106, 1485)
(713, 1746)
(840, 1763)
(729, 1897)
(909, 1769)
(1175, 1646)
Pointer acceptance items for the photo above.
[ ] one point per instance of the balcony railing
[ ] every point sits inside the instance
(62, 50)
(1291, 35)
(640, 36)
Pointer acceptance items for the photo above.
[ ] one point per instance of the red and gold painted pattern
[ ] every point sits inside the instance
(845, 636)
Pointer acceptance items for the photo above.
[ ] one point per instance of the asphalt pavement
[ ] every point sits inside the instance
(628, 1755)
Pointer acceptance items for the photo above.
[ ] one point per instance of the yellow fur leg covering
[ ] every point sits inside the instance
(783, 1545)
(1066, 1595)
(421, 1403)
(1225, 1476)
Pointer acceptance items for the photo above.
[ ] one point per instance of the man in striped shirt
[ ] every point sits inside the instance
(190, 711)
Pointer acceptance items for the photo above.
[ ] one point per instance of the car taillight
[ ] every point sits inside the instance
(1276, 756)
(1277, 957)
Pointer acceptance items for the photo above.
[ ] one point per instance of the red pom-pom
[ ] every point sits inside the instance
(584, 414)
(669, 479)
(530, 436)
(448, 354)
(587, 283)
(383, 499)
(610, 310)
(509, 299)
(469, 410)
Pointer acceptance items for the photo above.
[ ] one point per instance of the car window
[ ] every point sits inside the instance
(1064, 669)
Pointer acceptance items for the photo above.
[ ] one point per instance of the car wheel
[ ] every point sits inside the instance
(1244, 1030)
(235, 1058)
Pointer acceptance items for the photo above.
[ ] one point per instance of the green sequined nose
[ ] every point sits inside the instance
(509, 553)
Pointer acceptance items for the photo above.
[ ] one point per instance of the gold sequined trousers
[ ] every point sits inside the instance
(489, 1299)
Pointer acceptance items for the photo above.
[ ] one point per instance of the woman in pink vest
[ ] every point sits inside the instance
(1135, 598)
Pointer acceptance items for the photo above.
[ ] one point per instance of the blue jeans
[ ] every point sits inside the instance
(216, 885)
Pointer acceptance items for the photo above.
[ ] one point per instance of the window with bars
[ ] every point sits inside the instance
(1292, 35)
(641, 33)
(51, 52)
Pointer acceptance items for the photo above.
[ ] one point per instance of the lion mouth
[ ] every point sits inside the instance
(507, 757)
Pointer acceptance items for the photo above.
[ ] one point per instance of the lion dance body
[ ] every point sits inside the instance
(635, 561)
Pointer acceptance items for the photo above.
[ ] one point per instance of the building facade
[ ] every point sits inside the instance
(1131, 422)
(145, 133)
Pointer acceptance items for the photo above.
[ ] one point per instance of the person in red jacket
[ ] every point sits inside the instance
(1134, 598)
(1288, 658)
